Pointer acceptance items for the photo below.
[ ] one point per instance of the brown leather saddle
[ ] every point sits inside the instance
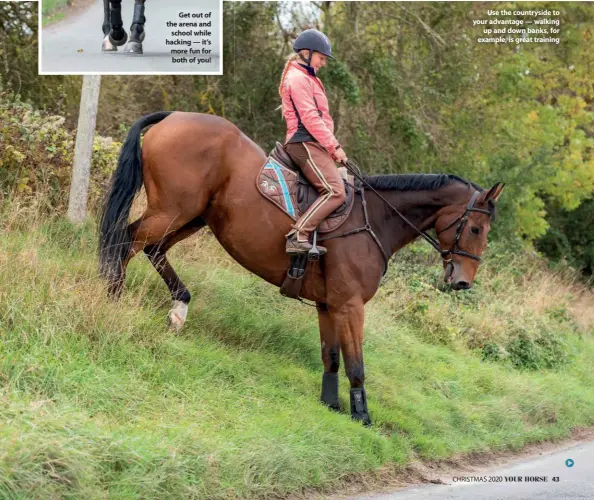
(280, 180)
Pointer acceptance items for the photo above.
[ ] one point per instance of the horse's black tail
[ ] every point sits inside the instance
(115, 238)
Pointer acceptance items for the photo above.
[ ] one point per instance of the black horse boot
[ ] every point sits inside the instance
(137, 33)
(359, 406)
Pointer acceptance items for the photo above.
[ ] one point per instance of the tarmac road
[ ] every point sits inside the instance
(575, 482)
(74, 44)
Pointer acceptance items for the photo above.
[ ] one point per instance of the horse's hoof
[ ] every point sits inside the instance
(363, 418)
(118, 38)
(142, 36)
(107, 46)
(115, 289)
(177, 315)
(133, 48)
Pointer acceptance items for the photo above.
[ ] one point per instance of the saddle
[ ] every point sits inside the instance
(280, 180)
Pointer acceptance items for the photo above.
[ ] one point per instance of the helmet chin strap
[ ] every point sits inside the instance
(308, 60)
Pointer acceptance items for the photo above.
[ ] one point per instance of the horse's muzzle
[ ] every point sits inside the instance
(461, 285)
(452, 277)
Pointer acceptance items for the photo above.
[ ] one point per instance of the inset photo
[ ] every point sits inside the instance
(130, 37)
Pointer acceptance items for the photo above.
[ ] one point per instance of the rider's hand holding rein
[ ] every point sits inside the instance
(340, 156)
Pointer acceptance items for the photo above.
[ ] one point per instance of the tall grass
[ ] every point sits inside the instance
(99, 400)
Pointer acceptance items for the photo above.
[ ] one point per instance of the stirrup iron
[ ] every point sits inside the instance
(314, 254)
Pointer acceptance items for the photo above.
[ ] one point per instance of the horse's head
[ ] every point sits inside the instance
(462, 232)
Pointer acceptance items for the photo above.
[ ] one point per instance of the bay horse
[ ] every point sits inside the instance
(201, 170)
(113, 27)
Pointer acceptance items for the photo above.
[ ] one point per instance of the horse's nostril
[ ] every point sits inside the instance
(462, 285)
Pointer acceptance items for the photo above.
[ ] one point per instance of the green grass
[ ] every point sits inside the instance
(53, 10)
(50, 6)
(99, 400)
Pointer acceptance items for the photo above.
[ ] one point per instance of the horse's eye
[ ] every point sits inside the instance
(475, 230)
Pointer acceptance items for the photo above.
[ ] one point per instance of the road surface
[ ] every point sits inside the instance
(74, 44)
(574, 482)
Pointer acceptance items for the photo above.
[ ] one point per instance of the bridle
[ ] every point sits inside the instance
(445, 254)
(455, 250)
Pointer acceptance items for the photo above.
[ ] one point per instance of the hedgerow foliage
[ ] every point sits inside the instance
(37, 154)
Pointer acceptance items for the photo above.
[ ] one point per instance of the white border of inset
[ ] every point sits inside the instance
(123, 73)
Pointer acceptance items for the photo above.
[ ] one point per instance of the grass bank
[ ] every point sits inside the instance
(99, 400)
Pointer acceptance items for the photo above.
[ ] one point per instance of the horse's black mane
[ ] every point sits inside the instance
(415, 182)
(419, 182)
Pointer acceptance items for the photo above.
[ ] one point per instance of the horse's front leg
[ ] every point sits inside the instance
(113, 26)
(348, 321)
(330, 357)
(134, 46)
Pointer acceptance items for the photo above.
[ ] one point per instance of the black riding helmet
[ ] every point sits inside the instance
(313, 40)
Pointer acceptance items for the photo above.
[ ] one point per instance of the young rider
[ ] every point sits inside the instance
(310, 140)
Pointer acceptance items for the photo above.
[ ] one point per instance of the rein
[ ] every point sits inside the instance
(367, 227)
(455, 250)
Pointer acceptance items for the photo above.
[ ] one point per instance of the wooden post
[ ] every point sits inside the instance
(83, 151)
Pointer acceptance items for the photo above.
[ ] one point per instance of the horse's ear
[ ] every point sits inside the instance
(493, 193)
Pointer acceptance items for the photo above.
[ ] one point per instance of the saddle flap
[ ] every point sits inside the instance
(279, 185)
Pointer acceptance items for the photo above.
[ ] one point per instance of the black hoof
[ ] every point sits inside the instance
(115, 289)
(118, 37)
(334, 407)
(359, 406)
(332, 404)
(364, 418)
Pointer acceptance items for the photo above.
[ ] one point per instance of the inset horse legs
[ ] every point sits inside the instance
(113, 26)
(137, 33)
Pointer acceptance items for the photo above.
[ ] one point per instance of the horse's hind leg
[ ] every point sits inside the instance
(148, 230)
(179, 293)
(137, 34)
(113, 26)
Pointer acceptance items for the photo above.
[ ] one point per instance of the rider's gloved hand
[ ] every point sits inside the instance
(340, 156)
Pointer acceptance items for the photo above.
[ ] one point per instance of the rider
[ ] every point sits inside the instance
(310, 140)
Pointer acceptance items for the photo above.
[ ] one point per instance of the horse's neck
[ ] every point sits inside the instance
(419, 207)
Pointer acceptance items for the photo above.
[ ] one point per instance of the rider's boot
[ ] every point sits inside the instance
(298, 242)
